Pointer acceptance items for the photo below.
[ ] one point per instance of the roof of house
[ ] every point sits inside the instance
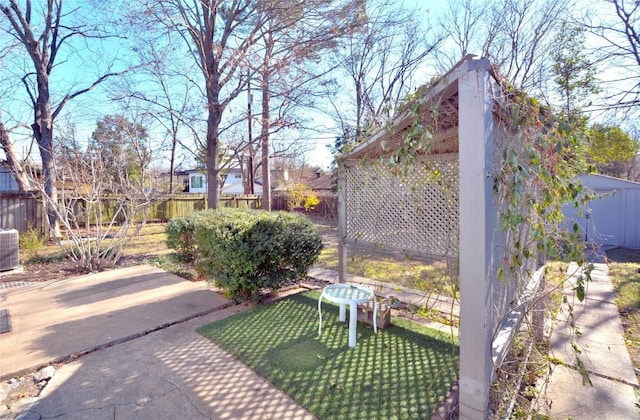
(238, 188)
(321, 182)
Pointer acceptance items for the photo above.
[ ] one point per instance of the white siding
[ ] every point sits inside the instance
(197, 182)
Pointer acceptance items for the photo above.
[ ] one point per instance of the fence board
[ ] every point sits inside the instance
(166, 208)
(21, 211)
(327, 208)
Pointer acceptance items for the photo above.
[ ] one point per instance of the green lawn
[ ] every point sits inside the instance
(623, 271)
(403, 372)
(393, 269)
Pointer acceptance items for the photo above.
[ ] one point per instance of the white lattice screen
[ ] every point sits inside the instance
(416, 212)
(421, 212)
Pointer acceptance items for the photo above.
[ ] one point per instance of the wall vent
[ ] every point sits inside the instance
(9, 258)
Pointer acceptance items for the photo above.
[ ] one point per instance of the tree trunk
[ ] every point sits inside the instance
(15, 166)
(43, 49)
(247, 175)
(172, 160)
(43, 133)
(213, 190)
(264, 134)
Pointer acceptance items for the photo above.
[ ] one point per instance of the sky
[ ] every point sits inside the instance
(75, 69)
(321, 154)
(83, 62)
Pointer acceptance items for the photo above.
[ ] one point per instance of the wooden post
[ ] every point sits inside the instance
(477, 215)
(342, 224)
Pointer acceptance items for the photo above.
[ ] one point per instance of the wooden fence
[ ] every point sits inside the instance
(326, 209)
(22, 211)
(167, 207)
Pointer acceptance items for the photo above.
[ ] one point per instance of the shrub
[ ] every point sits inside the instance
(300, 195)
(181, 235)
(172, 266)
(246, 251)
(30, 240)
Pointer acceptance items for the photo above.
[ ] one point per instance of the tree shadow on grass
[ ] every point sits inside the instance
(404, 371)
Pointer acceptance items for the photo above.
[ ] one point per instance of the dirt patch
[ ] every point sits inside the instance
(18, 392)
(58, 268)
(624, 255)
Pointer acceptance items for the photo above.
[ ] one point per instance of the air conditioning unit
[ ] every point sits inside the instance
(9, 258)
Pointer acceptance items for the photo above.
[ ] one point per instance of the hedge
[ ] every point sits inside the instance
(245, 251)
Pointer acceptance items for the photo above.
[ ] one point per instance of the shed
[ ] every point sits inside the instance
(197, 179)
(443, 206)
(613, 217)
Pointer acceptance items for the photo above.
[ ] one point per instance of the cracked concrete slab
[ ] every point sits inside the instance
(130, 348)
(169, 374)
(55, 320)
(602, 351)
(606, 399)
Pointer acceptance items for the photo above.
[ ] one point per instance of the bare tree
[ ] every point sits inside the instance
(15, 165)
(516, 35)
(218, 34)
(380, 58)
(166, 94)
(520, 39)
(292, 38)
(463, 27)
(43, 39)
(98, 223)
(615, 24)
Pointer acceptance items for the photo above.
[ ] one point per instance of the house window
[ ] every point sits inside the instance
(196, 181)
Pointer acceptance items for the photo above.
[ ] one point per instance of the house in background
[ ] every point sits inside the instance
(613, 217)
(234, 183)
(196, 181)
(8, 182)
(322, 183)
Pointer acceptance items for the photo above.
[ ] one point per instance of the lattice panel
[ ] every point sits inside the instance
(416, 212)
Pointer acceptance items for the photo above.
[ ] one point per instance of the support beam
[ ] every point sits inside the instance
(342, 224)
(477, 215)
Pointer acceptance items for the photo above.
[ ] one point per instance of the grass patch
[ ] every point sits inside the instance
(30, 241)
(434, 315)
(394, 269)
(402, 372)
(44, 259)
(151, 240)
(171, 263)
(623, 271)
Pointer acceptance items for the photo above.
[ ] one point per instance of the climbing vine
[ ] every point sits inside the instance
(538, 158)
(412, 191)
(538, 155)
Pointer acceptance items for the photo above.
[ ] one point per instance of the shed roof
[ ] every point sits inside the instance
(605, 182)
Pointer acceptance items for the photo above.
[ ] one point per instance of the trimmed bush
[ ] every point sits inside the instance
(244, 251)
(181, 234)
